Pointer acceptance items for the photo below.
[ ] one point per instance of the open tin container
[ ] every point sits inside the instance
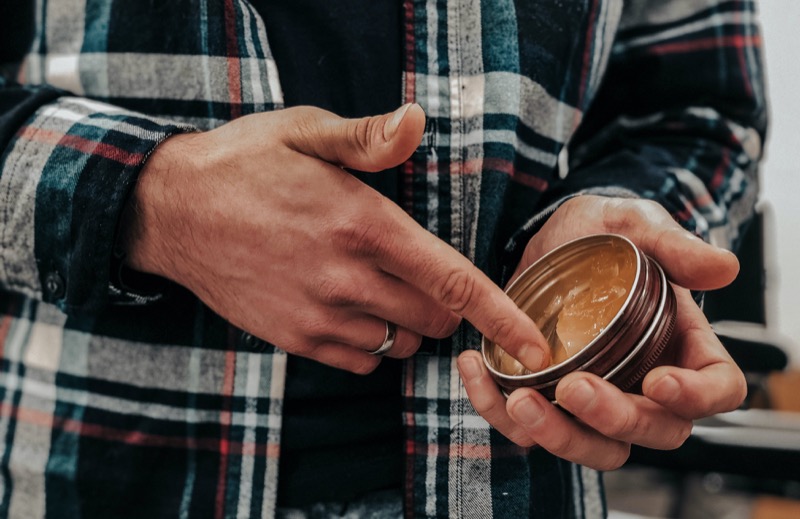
(604, 307)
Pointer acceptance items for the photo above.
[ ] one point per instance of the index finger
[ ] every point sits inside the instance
(425, 261)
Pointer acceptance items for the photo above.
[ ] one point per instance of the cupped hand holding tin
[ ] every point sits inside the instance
(594, 422)
(603, 306)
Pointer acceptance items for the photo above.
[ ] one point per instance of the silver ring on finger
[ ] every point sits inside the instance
(388, 340)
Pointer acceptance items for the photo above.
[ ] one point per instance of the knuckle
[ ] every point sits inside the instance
(298, 346)
(650, 209)
(501, 329)
(706, 406)
(363, 133)
(622, 215)
(616, 458)
(443, 324)
(408, 346)
(489, 408)
(521, 439)
(739, 392)
(304, 120)
(363, 236)
(680, 435)
(619, 216)
(365, 365)
(321, 326)
(611, 217)
(457, 290)
(565, 446)
(626, 426)
(337, 290)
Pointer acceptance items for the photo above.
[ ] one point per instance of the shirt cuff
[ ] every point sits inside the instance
(65, 180)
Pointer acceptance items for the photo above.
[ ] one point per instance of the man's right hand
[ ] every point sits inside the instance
(260, 221)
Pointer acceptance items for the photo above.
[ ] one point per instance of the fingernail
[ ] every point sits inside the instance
(532, 357)
(390, 128)
(581, 395)
(470, 368)
(667, 389)
(528, 411)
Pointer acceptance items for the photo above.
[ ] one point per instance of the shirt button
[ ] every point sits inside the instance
(54, 284)
(253, 343)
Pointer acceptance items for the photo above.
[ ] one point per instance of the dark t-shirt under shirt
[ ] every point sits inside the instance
(342, 433)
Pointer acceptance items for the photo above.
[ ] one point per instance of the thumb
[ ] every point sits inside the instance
(690, 261)
(367, 144)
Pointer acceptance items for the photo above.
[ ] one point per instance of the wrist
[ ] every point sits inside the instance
(152, 219)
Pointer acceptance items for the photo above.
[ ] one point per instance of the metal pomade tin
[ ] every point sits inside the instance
(604, 307)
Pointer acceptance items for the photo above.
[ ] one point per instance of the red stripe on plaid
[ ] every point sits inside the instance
(409, 96)
(703, 200)
(719, 174)
(410, 426)
(517, 176)
(234, 64)
(737, 41)
(89, 147)
(5, 326)
(587, 61)
(476, 166)
(409, 48)
(136, 438)
(742, 61)
(225, 419)
(686, 214)
(407, 201)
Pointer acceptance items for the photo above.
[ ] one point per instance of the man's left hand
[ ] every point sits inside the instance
(605, 421)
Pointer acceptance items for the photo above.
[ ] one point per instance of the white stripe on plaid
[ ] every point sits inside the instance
(62, 70)
(592, 492)
(44, 390)
(604, 36)
(274, 385)
(471, 477)
(193, 384)
(18, 334)
(31, 447)
(646, 12)
(251, 379)
(166, 76)
(715, 21)
(21, 173)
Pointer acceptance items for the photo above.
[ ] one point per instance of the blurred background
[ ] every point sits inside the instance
(746, 464)
(780, 21)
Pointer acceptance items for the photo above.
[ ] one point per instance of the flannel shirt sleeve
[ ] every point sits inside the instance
(680, 118)
(67, 167)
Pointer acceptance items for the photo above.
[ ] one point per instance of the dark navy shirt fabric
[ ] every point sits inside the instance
(342, 433)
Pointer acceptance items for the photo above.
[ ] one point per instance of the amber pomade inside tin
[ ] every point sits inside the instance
(603, 306)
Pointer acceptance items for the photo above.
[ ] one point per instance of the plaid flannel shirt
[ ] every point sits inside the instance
(115, 403)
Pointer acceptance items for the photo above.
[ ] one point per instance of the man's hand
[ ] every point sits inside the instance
(259, 219)
(703, 380)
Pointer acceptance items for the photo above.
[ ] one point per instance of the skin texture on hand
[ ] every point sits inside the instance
(259, 219)
(702, 379)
